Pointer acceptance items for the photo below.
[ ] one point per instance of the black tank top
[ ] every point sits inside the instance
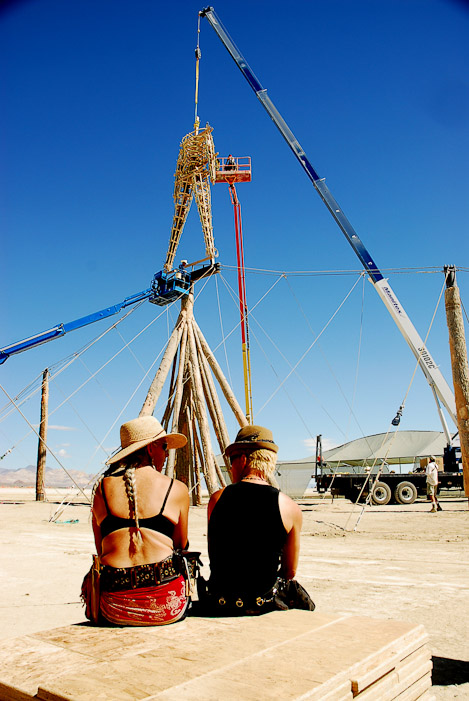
(246, 536)
(158, 523)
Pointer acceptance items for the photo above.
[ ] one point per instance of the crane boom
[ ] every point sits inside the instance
(166, 287)
(61, 329)
(437, 382)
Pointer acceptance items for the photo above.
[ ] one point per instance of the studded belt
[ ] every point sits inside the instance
(122, 578)
(241, 603)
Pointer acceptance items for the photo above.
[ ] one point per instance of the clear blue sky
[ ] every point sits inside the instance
(96, 97)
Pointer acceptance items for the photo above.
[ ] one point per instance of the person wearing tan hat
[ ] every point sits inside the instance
(253, 535)
(139, 517)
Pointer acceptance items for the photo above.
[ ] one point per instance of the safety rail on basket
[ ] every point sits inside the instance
(233, 169)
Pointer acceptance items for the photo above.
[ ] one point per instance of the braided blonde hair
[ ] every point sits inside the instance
(129, 464)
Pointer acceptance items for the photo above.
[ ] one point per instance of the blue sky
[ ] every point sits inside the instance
(96, 97)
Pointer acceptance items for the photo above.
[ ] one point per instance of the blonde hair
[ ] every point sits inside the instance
(263, 462)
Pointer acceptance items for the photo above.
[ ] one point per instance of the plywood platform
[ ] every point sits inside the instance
(281, 655)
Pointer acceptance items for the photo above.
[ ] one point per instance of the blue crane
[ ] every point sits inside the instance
(166, 287)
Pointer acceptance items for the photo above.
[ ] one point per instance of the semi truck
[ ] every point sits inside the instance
(382, 486)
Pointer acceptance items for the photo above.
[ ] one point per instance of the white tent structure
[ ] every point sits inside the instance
(399, 448)
(405, 448)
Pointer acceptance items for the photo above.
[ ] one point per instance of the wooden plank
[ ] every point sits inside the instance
(288, 655)
(339, 692)
(25, 662)
(11, 693)
(389, 687)
(421, 690)
(385, 659)
(378, 670)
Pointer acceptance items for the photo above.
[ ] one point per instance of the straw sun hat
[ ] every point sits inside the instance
(140, 432)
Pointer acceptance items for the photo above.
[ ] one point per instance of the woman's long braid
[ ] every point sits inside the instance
(131, 490)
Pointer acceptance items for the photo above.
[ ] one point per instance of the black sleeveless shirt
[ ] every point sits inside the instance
(246, 536)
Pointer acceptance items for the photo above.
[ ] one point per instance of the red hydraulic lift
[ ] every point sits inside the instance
(238, 170)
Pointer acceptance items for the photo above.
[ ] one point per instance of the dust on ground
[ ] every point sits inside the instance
(398, 562)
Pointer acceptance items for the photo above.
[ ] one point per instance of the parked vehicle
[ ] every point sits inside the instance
(390, 487)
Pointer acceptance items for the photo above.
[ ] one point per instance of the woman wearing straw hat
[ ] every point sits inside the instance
(139, 518)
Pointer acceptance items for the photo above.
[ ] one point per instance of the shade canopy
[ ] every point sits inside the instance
(402, 447)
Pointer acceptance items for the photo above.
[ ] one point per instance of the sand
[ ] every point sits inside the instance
(401, 562)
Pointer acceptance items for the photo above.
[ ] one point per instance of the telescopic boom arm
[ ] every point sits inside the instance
(437, 382)
(62, 329)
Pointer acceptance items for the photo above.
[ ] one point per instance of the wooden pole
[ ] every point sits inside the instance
(172, 384)
(177, 398)
(198, 459)
(161, 374)
(206, 374)
(210, 398)
(193, 473)
(183, 457)
(222, 381)
(41, 448)
(201, 414)
(457, 344)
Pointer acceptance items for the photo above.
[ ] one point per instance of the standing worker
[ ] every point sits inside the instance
(432, 483)
(230, 163)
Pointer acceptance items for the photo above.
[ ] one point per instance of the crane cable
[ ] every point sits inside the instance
(198, 56)
(393, 437)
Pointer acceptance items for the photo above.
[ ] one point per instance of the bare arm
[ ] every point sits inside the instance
(180, 539)
(97, 513)
(97, 534)
(292, 519)
(213, 500)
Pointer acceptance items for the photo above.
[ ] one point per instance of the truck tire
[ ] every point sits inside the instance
(381, 494)
(406, 493)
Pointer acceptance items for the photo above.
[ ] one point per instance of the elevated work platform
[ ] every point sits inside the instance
(234, 169)
(281, 655)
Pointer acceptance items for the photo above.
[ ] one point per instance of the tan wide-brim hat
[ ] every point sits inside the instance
(252, 438)
(140, 432)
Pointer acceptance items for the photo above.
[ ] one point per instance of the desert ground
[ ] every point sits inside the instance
(394, 562)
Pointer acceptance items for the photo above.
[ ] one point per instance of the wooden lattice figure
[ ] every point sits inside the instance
(196, 165)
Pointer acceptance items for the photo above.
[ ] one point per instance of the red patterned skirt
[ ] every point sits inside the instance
(146, 606)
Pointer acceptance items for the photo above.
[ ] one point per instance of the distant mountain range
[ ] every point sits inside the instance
(54, 477)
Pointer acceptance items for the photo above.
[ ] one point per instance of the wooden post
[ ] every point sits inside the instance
(177, 399)
(191, 459)
(161, 374)
(41, 448)
(222, 381)
(224, 439)
(179, 419)
(200, 411)
(198, 459)
(457, 344)
(183, 457)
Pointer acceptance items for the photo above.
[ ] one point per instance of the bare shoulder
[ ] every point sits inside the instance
(180, 489)
(289, 510)
(213, 500)
(288, 503)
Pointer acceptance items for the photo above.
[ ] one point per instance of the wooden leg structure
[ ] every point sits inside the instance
(193, 404)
